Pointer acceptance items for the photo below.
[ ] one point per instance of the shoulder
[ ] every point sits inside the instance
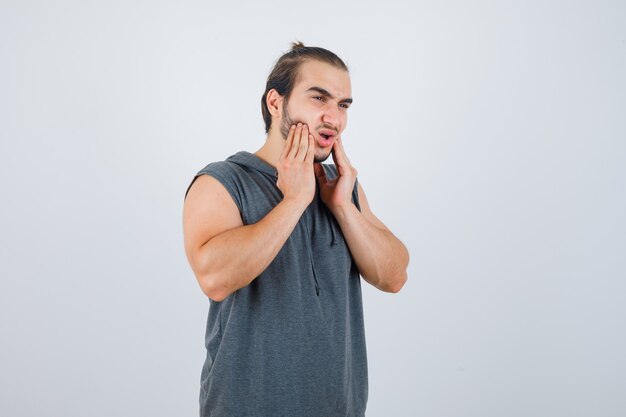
(211, 202)
(210, 189)
(221, 167)
(224, 171)
(228, 174)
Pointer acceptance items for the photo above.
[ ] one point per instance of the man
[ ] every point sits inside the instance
(277, 242)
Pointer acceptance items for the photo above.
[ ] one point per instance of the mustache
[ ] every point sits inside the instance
(323, 126)
(329, 127)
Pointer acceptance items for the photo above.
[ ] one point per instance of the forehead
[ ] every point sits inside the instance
(320, 74)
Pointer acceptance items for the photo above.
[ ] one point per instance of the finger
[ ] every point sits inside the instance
(333, 153)
(340, 154)
(304, 143)
(288, 142)
(310, 153)
(296, 142)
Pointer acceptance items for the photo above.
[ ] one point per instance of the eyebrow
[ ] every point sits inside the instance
(326, 93)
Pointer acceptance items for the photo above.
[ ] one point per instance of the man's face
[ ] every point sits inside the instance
(320, 99)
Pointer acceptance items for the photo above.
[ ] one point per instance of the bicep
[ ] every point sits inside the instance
(209, 210)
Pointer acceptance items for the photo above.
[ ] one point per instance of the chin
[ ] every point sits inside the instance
(319, 158)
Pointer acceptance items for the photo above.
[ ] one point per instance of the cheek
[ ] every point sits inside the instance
(311, 118)
(311, 113)
(301, 112)
(343, 121)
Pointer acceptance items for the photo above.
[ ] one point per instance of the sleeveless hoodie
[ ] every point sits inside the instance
(292, 342)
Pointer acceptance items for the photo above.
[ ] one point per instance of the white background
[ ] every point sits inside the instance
(490, 136)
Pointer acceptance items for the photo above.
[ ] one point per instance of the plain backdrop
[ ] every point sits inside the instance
(489, 136)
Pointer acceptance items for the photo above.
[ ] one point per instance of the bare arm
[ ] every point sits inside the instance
(226, 255)
(381, 258)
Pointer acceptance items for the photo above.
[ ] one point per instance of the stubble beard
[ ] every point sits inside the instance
(284, 130)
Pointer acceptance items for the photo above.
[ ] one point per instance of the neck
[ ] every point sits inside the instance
(273, 147)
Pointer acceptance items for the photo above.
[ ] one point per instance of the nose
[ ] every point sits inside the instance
(331, 115)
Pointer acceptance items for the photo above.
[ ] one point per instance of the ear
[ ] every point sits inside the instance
(274, 103)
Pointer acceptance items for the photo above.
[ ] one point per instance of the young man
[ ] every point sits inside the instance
(277, 241)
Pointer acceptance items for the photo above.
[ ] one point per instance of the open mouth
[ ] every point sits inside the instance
(327, 137)
(325, 140)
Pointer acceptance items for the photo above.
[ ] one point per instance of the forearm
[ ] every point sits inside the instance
(233, 259)
(381, 258)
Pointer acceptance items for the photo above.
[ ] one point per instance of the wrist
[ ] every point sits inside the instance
(296, 204)
(344, 211)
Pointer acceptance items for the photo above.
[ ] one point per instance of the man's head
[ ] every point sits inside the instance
(309, 85)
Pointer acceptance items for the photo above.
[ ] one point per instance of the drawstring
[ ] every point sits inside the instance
(317, 286)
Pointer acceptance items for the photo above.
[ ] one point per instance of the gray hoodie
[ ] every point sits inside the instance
(292, 343)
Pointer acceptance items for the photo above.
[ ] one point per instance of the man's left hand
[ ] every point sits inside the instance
(337, 193)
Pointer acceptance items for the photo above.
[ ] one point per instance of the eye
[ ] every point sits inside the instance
(344, 106)
(320, 98)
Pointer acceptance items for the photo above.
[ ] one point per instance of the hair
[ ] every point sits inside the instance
(285, 71)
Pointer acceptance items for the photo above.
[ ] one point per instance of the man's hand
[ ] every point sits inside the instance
(296, 179)
(337, 193)
(379, 256)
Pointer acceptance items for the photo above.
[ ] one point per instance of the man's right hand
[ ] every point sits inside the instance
(296, 178)
(227, 255)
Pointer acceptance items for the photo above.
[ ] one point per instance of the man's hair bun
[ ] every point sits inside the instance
(296, 45)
